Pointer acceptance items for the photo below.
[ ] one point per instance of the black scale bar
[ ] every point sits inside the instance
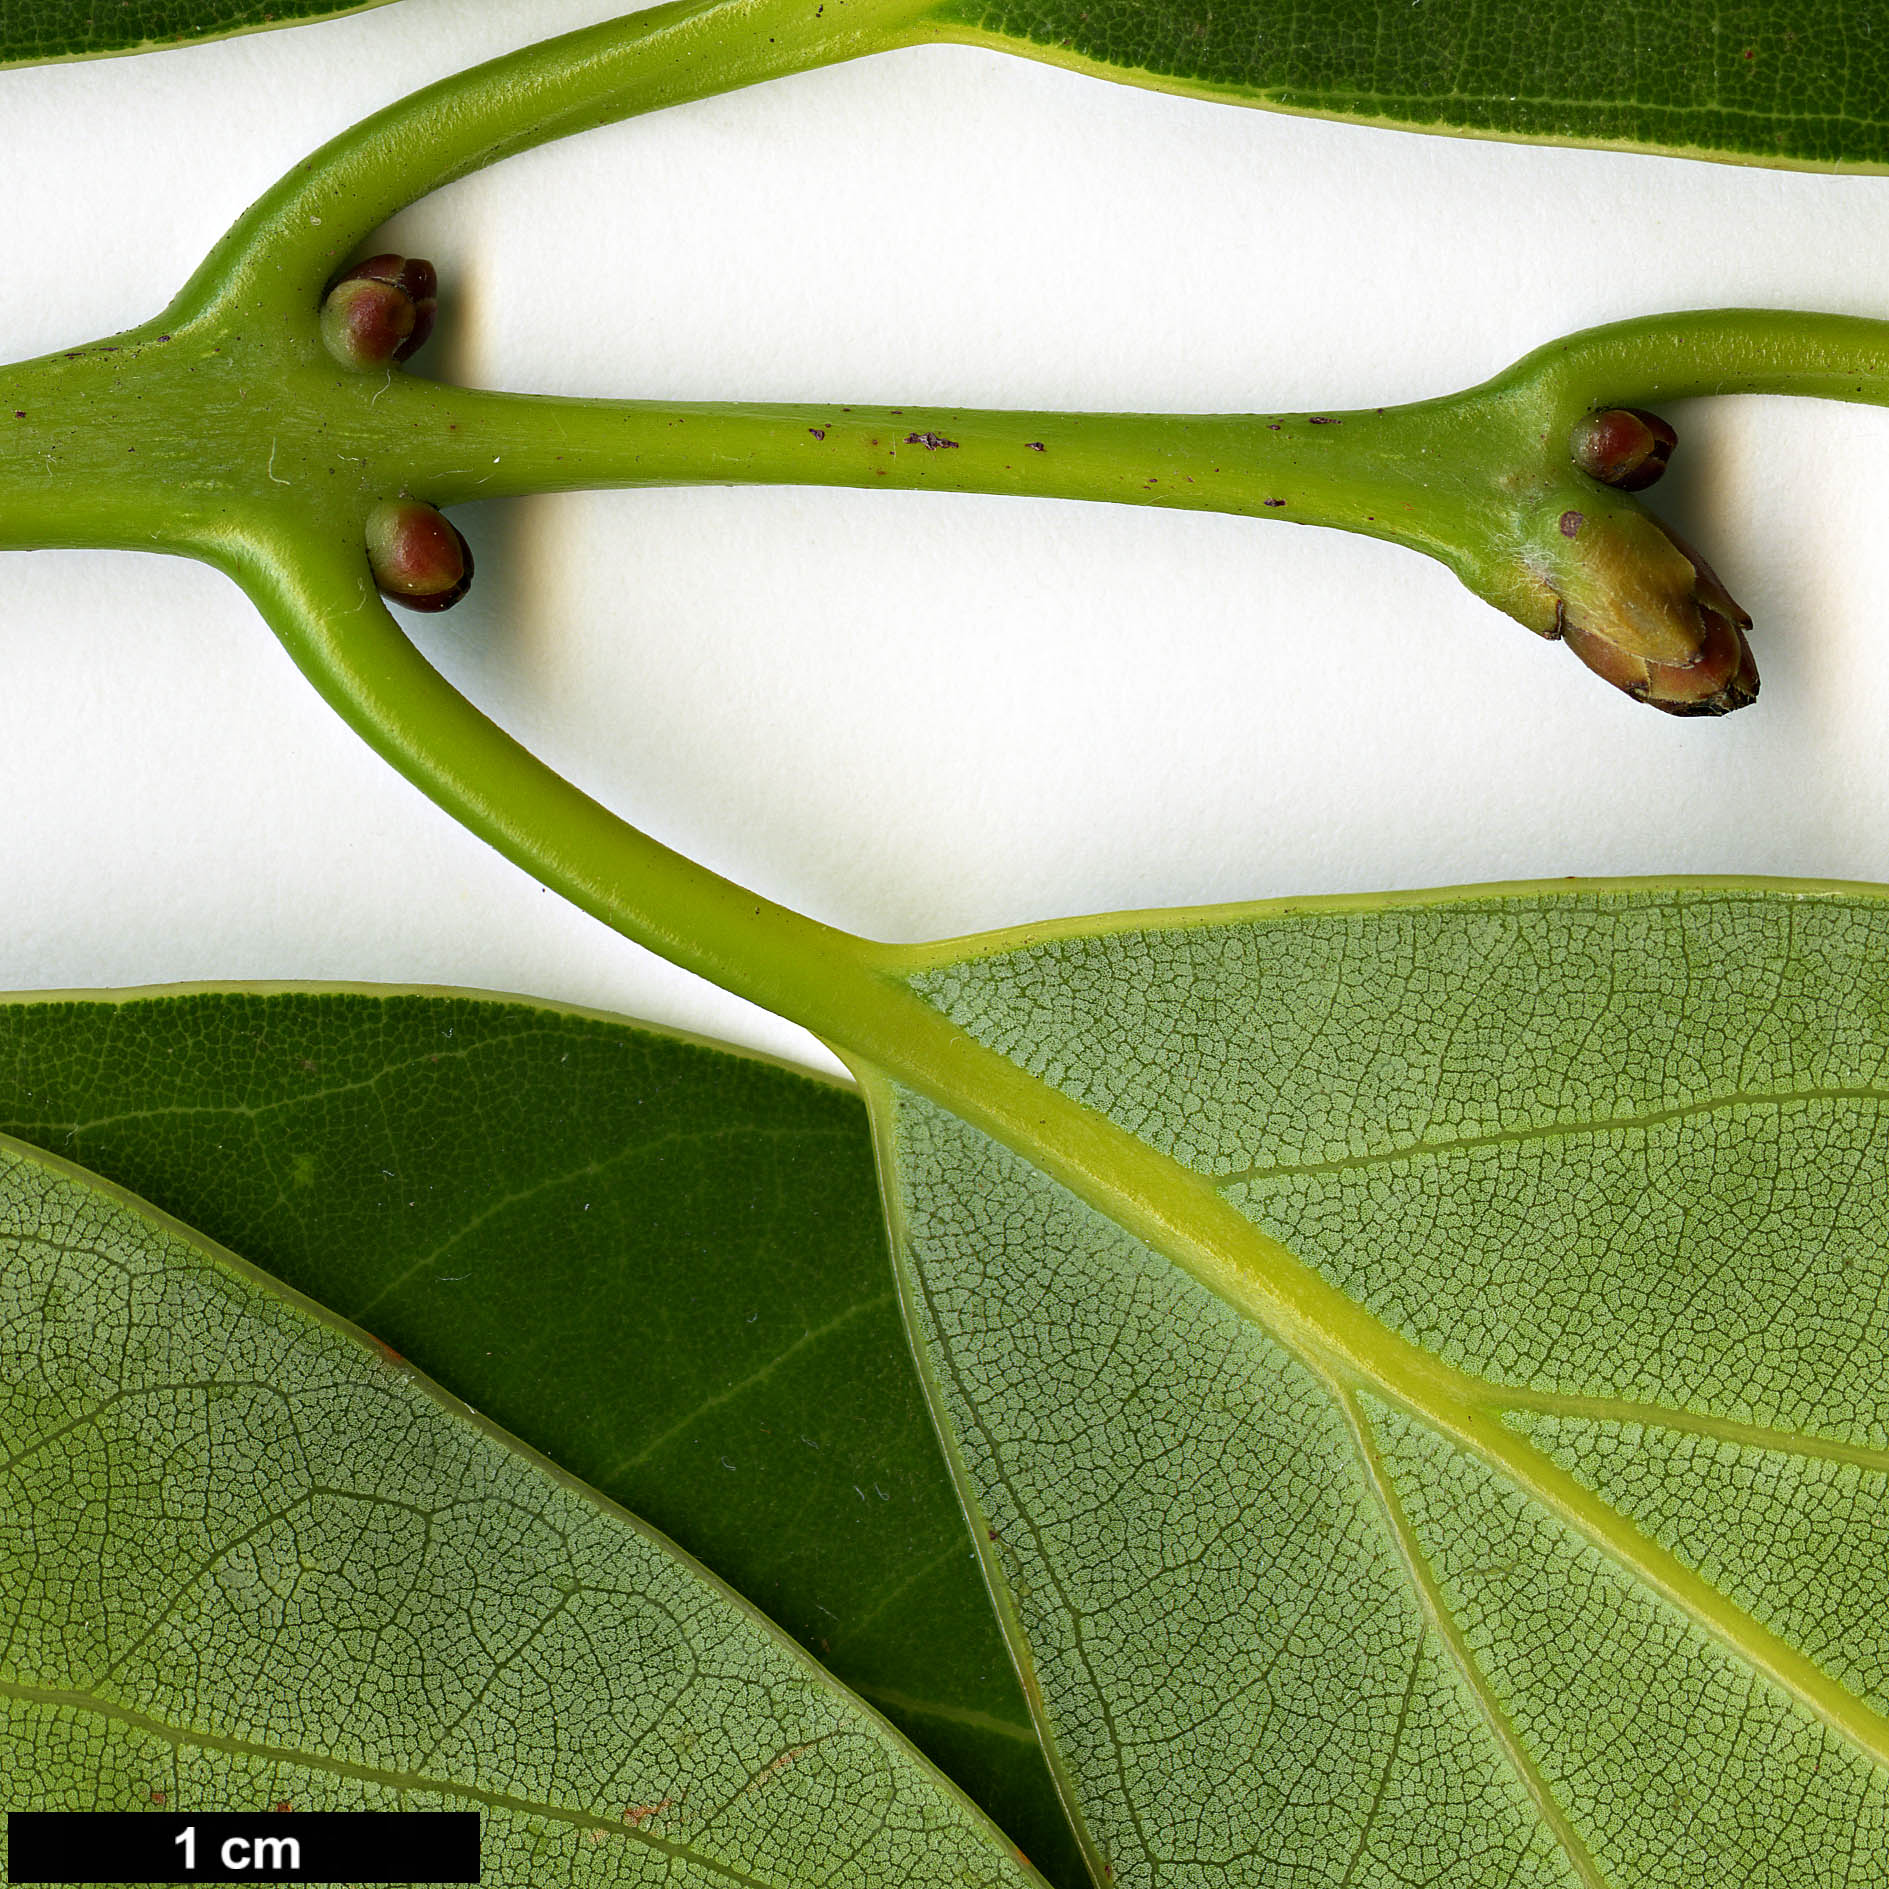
(317, 1846)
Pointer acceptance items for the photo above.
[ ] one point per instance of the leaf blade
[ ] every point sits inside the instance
(1785, 83)
(648, 1257)
(301, 1567)
(45, 32)
(1285, 1055)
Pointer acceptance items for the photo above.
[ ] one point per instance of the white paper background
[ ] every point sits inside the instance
(908, 714)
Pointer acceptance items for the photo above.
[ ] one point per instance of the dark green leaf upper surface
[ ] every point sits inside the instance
(1790, 82)
(661, 1264)
(34, 32)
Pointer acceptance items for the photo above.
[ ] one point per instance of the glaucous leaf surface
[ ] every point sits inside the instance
(34, 32)
(1540, 1533)
(1786, 82)
(249, 1557)
(661, 1263)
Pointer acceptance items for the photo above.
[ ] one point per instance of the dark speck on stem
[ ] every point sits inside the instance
(1323, 419)
(1272, 501)
(818, 432)
(1571, 523)
(1034, 446)
(930, 441)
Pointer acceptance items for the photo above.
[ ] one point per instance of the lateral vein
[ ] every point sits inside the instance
(1544, 1131)
(1449, 1631)
(1757, 1436)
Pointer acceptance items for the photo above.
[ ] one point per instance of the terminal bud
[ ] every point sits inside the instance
(417, 556)
(1653, 619)
(1623, 446)
(380, 311)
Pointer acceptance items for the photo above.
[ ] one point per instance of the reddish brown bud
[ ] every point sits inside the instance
(417, 556)
(381, 310)
(1623, 447)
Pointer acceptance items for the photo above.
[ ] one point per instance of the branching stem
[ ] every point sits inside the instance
(224, 431)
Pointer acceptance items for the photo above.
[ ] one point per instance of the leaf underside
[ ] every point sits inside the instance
(37, 32)
(1616, 1164)
(660, 1263)
(250, 1559)
(1784, 82)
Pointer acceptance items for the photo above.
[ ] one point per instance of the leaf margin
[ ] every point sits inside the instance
(319, 12)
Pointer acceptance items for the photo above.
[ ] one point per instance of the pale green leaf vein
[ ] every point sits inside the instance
(880, 1301)
(1754, 1436)
(587, 1170)
(1567, 1130)
(1449, 1631)
(909, 1707)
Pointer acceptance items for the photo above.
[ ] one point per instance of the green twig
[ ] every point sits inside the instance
(225, 431)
